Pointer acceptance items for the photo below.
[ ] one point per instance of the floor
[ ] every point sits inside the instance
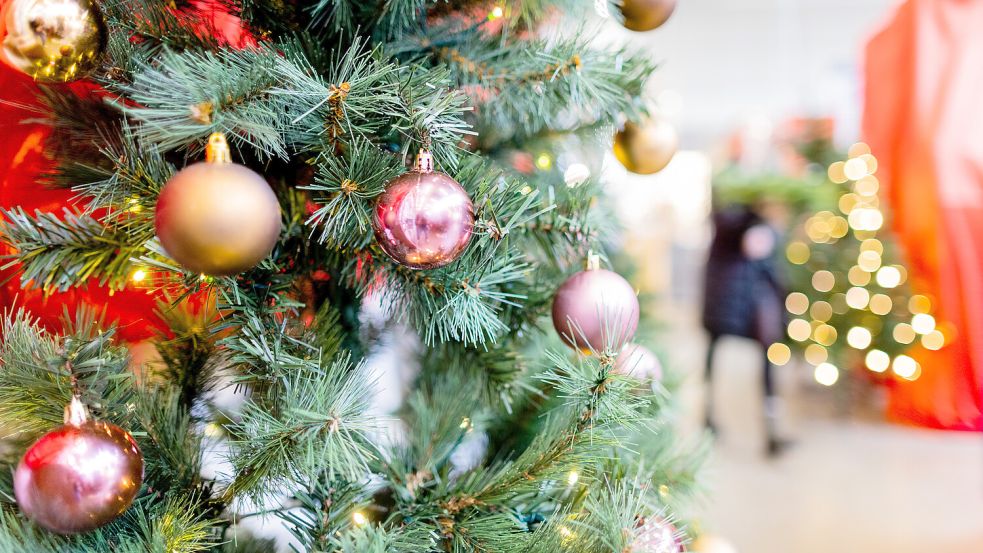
(849, 484)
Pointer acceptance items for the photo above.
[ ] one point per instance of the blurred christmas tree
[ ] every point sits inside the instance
(849, 292)
(294, 257)
(850, 303)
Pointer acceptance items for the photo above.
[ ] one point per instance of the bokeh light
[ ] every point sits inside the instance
(877, 360)
(797, 253)
(823, 281)
(888, 277)
(923, 323)
(905, 367)
(857, 297)
(815, 354)
(779, 354)
(797, 303)
(826, 374)
(858, 337)
(821, 311)
(880, 304)
(799, 330)
(903, 333)
(934, 340)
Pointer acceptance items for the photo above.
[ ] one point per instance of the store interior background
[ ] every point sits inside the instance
(850, 482)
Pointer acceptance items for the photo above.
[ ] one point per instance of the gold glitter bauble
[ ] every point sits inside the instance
(216, 217)
(646, 148)
(51, 40)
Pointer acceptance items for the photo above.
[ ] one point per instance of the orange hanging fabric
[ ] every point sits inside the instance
(923, 119)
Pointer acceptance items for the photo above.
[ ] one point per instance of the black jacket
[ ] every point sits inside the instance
(742, 296)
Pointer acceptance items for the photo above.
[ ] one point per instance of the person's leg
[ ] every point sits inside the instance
(708, 388)
(771, 404)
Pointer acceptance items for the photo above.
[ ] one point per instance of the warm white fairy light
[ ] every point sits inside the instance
(826, 374)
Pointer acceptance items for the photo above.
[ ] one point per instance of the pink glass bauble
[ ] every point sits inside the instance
(79, 477)
(595, 310)
(656, 535)
(640, 362)
(424, 219)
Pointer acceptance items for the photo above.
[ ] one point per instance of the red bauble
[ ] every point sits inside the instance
(79, 476)
(424, 219)
(640, 362)
(596, 310)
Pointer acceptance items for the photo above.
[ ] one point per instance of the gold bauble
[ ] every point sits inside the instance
(646, 15)
(216, 217)
(646, 148)
(51, 40)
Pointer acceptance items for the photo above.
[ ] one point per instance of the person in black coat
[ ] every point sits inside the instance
(743, 296)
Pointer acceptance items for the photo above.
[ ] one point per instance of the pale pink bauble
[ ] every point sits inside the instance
(640, 362)
(596, 310)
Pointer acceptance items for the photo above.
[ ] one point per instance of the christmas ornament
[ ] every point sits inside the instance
(424, 218)
(639, 361)
(646, 15)
(712, 544)
(51, 40)
(596, 309)
(80, 476)
(646, 148)
(656, 535)
(217, 217)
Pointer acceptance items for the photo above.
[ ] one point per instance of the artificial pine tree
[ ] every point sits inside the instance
(508, 439)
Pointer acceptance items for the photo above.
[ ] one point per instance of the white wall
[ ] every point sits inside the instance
(734, 60)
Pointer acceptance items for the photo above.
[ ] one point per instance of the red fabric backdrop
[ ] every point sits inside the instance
(924, 122)
(22, 160)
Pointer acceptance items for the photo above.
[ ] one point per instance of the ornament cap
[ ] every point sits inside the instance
(424, 162)
(76, 414)
(217, 149)
(593, 261)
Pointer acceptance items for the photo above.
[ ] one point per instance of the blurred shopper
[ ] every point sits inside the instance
(744, 297)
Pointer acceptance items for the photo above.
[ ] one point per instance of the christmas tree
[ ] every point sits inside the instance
(296, 182)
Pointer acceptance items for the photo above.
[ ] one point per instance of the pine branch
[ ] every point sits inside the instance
(41, 371)
(321, 425)
(58, 254)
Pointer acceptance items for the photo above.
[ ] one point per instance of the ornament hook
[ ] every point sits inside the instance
(593, 261)
(217, 149)
(424, 162)
(76, 414)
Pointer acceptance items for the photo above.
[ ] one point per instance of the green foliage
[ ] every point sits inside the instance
(507, 440)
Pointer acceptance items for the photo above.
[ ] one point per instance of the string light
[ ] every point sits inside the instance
(826, 374)
(923, 323)
(816, 354)
(573, 477)
(823, 281)
(797, 303)
(138, 275)
(857, 297)
(496, 13)
(904, 366)
(797, 253)
(888, 277)
(880, 304)
(877, 360)
(903, 333)
(544, 161)
(799, 330)
(359, 519)
(779, 354)
(933, 340)
(858, 337)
